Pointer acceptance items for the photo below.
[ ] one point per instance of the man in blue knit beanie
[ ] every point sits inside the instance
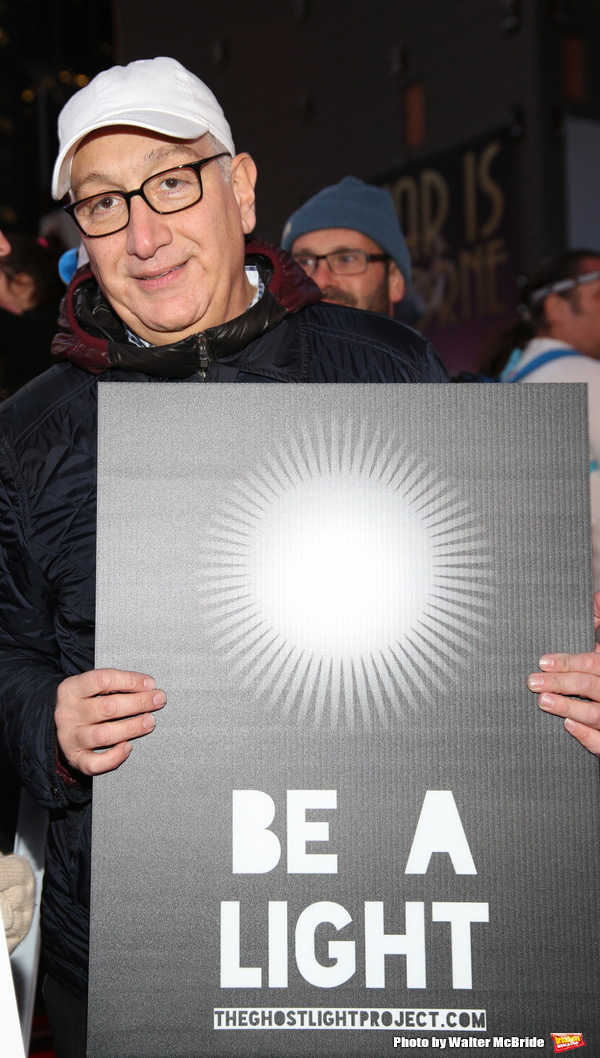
(348, 239)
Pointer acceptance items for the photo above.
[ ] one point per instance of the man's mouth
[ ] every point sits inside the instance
(152, 276)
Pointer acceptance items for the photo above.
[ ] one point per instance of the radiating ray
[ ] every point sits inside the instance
(323, 688)
(374, 689)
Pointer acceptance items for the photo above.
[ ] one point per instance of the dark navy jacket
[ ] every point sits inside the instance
(48, 512)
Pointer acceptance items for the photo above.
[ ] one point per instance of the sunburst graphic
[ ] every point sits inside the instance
(348, 580)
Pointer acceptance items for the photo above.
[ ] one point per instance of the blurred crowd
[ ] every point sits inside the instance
(30, 293)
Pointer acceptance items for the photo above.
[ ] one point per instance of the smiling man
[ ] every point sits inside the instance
(348, 239)
(175, 291)
(165, 273)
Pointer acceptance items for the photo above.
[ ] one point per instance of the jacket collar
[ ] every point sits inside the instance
(93, 337)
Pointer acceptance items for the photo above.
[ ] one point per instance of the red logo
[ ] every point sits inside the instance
(566, 1041)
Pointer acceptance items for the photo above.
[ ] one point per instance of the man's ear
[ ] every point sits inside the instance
(396, 284)
(243, 181)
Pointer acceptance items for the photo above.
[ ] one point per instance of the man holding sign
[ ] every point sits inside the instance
(175, 292)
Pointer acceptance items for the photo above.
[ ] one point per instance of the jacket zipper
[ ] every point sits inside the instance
(204, 357)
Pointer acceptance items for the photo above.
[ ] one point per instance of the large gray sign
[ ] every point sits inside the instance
(352, 829)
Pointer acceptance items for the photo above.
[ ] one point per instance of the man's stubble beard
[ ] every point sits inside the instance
(377, 302)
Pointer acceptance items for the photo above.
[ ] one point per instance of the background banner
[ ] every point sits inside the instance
(457, 209)
(352, 824)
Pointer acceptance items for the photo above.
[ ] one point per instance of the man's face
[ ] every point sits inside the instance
(585, 320)
(377, 289)
(168, 276)
(576, 319)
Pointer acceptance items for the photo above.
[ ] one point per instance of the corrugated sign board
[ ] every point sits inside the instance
(352, 830)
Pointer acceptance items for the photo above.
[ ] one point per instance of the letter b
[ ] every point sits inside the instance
(255, 848)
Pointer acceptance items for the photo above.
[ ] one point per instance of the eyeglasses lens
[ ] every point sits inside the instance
(176, 189)
(102, 214)
(348, 262)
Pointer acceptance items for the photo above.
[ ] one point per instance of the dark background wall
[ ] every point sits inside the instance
(316, 89)
(48, 49)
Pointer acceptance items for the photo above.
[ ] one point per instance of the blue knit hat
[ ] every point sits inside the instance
(356, 205)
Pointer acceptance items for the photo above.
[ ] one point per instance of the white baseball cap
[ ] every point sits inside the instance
(155, 94)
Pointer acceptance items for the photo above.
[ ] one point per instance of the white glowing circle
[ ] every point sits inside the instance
(344, 578)
(341, 565)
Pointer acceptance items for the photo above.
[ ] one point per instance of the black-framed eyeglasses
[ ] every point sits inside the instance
(564, 286)
(167, 192)
(340, 262)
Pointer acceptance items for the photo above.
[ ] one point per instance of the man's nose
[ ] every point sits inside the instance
(147, 231)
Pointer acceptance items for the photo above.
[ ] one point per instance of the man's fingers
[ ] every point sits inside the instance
(106, 681)
(104, 709)
(114, 706)
(568, 674)
(81, 744)
(114, 739)
(98, 736)
(588, 662)
(582, 684)
(582, 719)
(588, 736)
(98, 708)
(90, 763)
(587, 713)
(562, 676)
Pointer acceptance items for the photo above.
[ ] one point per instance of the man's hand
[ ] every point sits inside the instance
(104, 708)
(564, 675)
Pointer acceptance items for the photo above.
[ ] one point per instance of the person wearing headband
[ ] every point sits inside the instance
(176, 289)
(558, 307)
(557, 339)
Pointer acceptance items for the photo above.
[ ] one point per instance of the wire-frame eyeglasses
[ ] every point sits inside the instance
(340, 262)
